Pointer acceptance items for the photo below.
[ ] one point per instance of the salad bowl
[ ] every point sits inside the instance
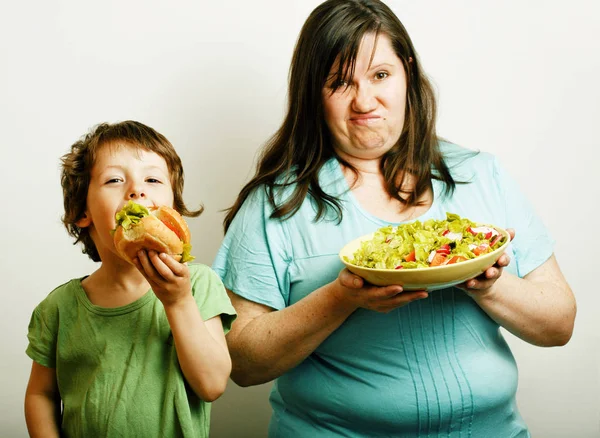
(423, 278)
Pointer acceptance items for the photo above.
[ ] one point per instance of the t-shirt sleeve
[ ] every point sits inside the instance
(42, 335)
(532, 244)
(254, 258)
(211, 297)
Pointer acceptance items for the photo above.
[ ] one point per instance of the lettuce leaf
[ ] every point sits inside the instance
(186, 256)
(131, 214)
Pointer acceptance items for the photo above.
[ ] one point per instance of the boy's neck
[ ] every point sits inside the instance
(115, 285)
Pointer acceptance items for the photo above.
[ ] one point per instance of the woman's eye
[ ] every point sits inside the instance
(337, 85)
(381, 75)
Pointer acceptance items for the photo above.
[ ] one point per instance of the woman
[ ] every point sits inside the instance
(357, 151)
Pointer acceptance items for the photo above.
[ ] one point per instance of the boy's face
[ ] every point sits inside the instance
(121, 173)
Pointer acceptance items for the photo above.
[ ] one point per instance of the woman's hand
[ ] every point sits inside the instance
(169, 279)
(483, 283)
(355, 290)
(266, 343)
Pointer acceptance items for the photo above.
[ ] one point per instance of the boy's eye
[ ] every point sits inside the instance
(152, 180)
(113, 180)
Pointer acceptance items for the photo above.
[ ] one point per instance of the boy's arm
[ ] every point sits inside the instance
(201, 346)
(201, 349)
(42, 402)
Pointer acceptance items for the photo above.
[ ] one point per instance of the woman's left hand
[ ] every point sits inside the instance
(482, 283)
(169, 279)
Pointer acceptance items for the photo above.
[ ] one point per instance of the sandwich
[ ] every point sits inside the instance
(160, 229)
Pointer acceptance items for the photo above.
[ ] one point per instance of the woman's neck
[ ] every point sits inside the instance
(369, 188)
(367, 166)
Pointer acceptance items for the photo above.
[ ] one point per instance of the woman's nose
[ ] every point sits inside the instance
(364, 98)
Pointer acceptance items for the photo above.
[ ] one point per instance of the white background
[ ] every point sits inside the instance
(518, 79)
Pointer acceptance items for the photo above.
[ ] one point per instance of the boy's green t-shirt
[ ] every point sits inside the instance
(117, 368)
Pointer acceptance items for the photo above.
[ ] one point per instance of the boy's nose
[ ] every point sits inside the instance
(136, 194)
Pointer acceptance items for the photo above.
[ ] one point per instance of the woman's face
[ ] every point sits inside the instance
(366, 116)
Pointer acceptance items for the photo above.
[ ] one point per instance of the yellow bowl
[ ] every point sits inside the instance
(437, 277)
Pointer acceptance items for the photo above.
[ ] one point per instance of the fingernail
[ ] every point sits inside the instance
(356, 282)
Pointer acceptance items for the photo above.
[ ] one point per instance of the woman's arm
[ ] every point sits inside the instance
(42, 403)
(539, 308)
(265, 343)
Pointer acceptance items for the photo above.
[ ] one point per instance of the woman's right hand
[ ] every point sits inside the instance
(355, 290)
(265, 342)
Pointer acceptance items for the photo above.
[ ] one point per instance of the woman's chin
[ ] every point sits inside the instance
(368, 151)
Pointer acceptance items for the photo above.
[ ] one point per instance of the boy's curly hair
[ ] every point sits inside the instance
(77, 165)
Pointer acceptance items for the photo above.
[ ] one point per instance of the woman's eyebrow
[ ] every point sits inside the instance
(379, 65)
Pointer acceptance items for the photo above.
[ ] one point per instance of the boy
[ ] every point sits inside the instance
(128, 350)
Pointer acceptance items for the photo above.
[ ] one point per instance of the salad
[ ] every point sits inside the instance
(427, 244)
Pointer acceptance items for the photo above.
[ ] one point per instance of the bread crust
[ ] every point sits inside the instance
(174, 221)
(150, 233)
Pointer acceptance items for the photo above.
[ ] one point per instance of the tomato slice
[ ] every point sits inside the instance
(411, 257)
(481, 249)
(496, 239)
(455, 259)
(444, 249)
(438, 259)
(172, 228)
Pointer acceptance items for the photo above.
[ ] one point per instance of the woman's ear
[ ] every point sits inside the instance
(84, 222)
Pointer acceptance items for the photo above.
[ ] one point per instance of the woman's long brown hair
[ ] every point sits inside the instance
(297, 151)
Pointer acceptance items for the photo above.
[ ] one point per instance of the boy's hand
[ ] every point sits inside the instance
(169, 279)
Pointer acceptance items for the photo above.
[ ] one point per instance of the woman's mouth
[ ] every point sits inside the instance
(365, 120)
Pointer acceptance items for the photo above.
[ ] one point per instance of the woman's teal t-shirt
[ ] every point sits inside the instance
(436, 367)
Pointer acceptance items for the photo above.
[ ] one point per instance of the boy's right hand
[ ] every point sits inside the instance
(169, 279)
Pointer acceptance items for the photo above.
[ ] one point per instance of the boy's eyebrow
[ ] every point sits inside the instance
(118, 167)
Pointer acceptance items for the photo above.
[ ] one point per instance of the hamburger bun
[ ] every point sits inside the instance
(161, 229)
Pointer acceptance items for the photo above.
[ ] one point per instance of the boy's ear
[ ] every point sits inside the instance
(84, 222)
